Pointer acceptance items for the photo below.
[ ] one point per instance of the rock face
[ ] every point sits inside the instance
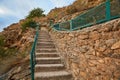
(21, 71)
(21, 41)
(92, 53)
(77, 7)
(15, 38)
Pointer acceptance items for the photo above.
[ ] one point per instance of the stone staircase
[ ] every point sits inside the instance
(49, 65)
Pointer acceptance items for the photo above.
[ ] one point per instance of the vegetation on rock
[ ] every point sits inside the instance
(2, 40)
(71, 10)
(77, 6)
(28, 23)
(36, 12)
(4, 52)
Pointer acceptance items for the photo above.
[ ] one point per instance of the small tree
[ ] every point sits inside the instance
(28, 23)
(36, 12)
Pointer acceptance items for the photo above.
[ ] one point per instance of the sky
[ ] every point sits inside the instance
(11, 11)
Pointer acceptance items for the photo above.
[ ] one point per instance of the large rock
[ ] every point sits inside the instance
(15, 37)
(82, 37)
(116, 45)
(94, 35)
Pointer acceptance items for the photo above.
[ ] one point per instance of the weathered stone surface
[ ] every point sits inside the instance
(71, 35)
(110, 42)
(16, 38)
(116, 45)
(94, 35)
(21, 71)
(82, 37)
(83, 74)
(84, 49)
(117, 74)
(92, 53)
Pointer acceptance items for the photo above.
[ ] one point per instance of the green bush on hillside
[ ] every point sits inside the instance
(28, 23)
(36, 12)
(7, 52)
(3, 51)
(2, 41)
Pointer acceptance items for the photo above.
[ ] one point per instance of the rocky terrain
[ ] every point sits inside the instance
(15, 37)
(76, 8)
(20, 70)
(92, 53)
(17, 46)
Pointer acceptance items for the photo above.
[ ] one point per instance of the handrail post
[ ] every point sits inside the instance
(108, 11)
(51, 23)
(59, 26)
(71, 25)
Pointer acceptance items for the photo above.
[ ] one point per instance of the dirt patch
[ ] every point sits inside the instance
(16, 68)
(8, 63)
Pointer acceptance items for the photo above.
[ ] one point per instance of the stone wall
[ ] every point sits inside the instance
(92, 53)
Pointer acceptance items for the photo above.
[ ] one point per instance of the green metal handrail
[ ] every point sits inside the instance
(32, 53)
(102, 13)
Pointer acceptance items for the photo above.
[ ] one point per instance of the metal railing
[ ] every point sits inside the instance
(102, 13)
(32, 53)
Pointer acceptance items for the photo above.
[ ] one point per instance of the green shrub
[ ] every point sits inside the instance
(28, 23)
(2, 52)
(2, 40)
(36, 12)
(7, 52)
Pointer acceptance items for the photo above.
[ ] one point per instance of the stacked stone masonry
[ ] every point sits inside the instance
(92, 53)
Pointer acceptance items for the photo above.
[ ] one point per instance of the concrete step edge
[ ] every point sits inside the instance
(52, 74)
(49, 65)
(37, 53)
(49, 58)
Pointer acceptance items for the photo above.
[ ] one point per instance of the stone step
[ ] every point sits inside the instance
(46, 46)
(47, 55)
(46, 51)
(54, 75)
(47, 42)
(39, 46)
(43, 33)
(43, 43)
(48, 60)
(44, 38)
(48, 67)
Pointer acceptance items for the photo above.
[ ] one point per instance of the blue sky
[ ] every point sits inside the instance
(11, 11)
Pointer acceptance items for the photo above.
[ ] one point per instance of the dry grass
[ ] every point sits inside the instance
(9, 62)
